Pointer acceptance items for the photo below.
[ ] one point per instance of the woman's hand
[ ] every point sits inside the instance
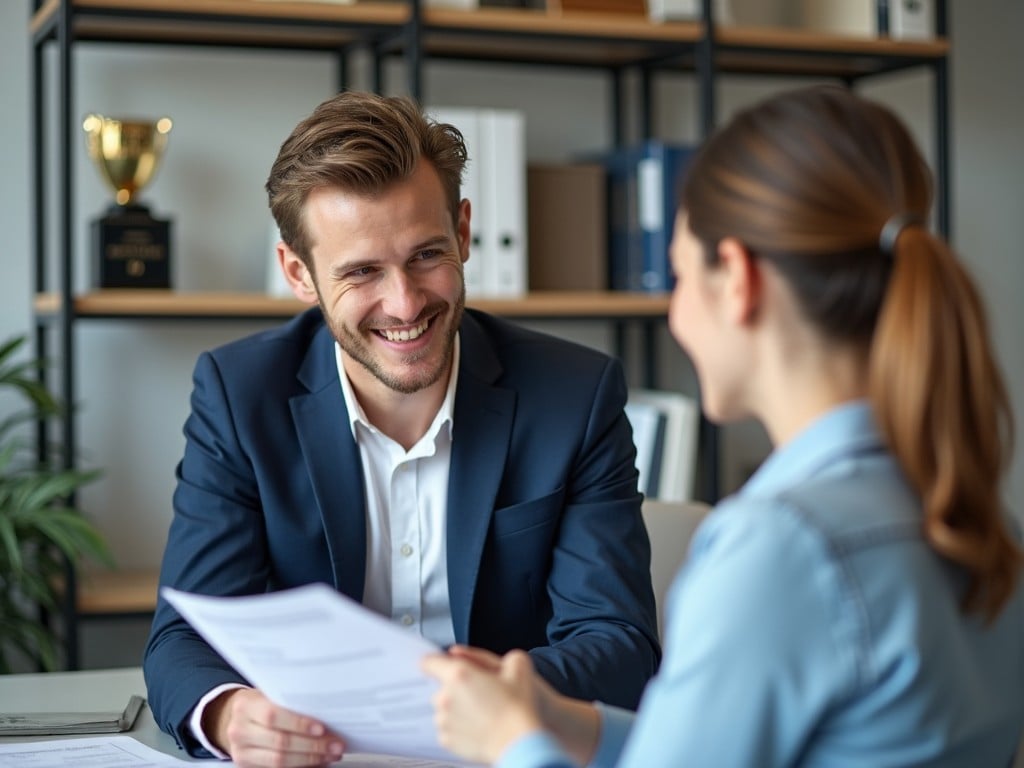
(484, 703)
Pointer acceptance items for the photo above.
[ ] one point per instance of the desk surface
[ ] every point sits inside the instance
(89, 691)
(110, 689)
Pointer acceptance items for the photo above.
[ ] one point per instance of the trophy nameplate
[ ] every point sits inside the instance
(130, 247)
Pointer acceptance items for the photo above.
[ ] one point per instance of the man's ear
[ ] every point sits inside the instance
(464, 233)
(297, 274)
(744, 282)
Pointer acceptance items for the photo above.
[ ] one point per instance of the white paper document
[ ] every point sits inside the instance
(72, 753)
(315, 651)
(126, 752)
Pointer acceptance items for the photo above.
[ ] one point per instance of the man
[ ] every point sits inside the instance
(467, 478)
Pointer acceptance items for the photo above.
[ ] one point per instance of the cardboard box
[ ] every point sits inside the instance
(566, 227)
(843, 17)
(899, 19)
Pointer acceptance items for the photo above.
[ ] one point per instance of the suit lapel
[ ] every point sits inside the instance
(482, 430)
(333, 463)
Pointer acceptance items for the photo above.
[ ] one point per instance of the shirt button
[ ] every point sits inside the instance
(407, 620)
(406, 550)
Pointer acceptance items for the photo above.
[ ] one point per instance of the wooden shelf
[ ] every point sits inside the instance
(496, 34)
(154, 304)
(530, 36)
(806, 52)
(309, 26)
(117, 592)
(615, 40)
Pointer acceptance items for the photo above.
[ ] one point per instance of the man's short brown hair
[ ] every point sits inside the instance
(359, 142)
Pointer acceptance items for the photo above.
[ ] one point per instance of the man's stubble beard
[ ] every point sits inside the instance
(354, 346)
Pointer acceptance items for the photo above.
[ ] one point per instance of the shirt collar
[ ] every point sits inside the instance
(842, 431)
(356, 414)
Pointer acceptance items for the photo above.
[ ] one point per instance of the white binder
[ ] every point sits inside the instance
(467, 120)
(911, 19)
(277, 284)
(495, 184)
(504, 189)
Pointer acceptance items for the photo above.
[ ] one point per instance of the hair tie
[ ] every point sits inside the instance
(892, 229)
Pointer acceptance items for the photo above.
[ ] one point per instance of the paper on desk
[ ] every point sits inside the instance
(315, 651)
(74, 753)
(111, 751)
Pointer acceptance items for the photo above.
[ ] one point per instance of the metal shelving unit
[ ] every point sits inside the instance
(616, 45)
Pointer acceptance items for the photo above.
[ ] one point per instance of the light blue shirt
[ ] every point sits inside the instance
(812, 625)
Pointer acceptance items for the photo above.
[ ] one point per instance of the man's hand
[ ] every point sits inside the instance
(256, 732)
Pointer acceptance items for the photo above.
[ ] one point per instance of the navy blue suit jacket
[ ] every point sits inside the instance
(546, 545)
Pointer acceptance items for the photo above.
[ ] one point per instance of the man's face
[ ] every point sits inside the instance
(387, 271)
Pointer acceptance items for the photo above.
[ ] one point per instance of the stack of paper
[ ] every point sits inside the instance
(90, 750)
(665, 428)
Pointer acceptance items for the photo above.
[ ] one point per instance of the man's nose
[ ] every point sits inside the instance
(404, 298)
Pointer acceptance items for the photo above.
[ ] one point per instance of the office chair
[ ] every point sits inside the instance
(670, 525)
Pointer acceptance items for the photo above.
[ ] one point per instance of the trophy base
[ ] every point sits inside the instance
(132, 249)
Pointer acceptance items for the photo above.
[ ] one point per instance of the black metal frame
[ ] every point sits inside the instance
(409, 39)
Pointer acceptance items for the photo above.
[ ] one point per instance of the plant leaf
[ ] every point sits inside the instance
(40, 528)
(25, 633)
(9, 540)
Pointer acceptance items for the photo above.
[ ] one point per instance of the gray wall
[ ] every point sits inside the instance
(232, 109)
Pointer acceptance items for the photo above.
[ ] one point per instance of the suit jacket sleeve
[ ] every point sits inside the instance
(215, 546)
(602, 632)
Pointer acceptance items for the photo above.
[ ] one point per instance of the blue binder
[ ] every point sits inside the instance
(642, 182)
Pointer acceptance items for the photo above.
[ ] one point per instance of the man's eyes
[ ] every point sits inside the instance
(425, 256)
(361, 272)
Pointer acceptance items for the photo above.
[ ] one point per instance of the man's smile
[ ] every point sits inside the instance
(405, 334)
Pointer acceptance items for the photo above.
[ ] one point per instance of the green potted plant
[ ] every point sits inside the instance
(40, 529)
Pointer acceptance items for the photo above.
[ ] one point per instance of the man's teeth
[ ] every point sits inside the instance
(406, 335)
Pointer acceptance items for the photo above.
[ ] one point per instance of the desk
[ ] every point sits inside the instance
(108, 689)
(86, 692)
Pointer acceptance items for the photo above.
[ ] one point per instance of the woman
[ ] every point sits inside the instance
(856, 603)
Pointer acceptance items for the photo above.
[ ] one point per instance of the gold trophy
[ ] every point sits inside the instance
(131, 247)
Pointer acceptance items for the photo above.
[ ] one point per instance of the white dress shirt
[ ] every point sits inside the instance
(406, 513)
(406, 526)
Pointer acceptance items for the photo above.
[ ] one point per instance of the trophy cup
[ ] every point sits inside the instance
(131, 248)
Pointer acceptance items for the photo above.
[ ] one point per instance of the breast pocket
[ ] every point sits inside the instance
(529, 515)
(518, 563)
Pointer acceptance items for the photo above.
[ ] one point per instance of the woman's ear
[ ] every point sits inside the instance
(297, 274)
(743, 281)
